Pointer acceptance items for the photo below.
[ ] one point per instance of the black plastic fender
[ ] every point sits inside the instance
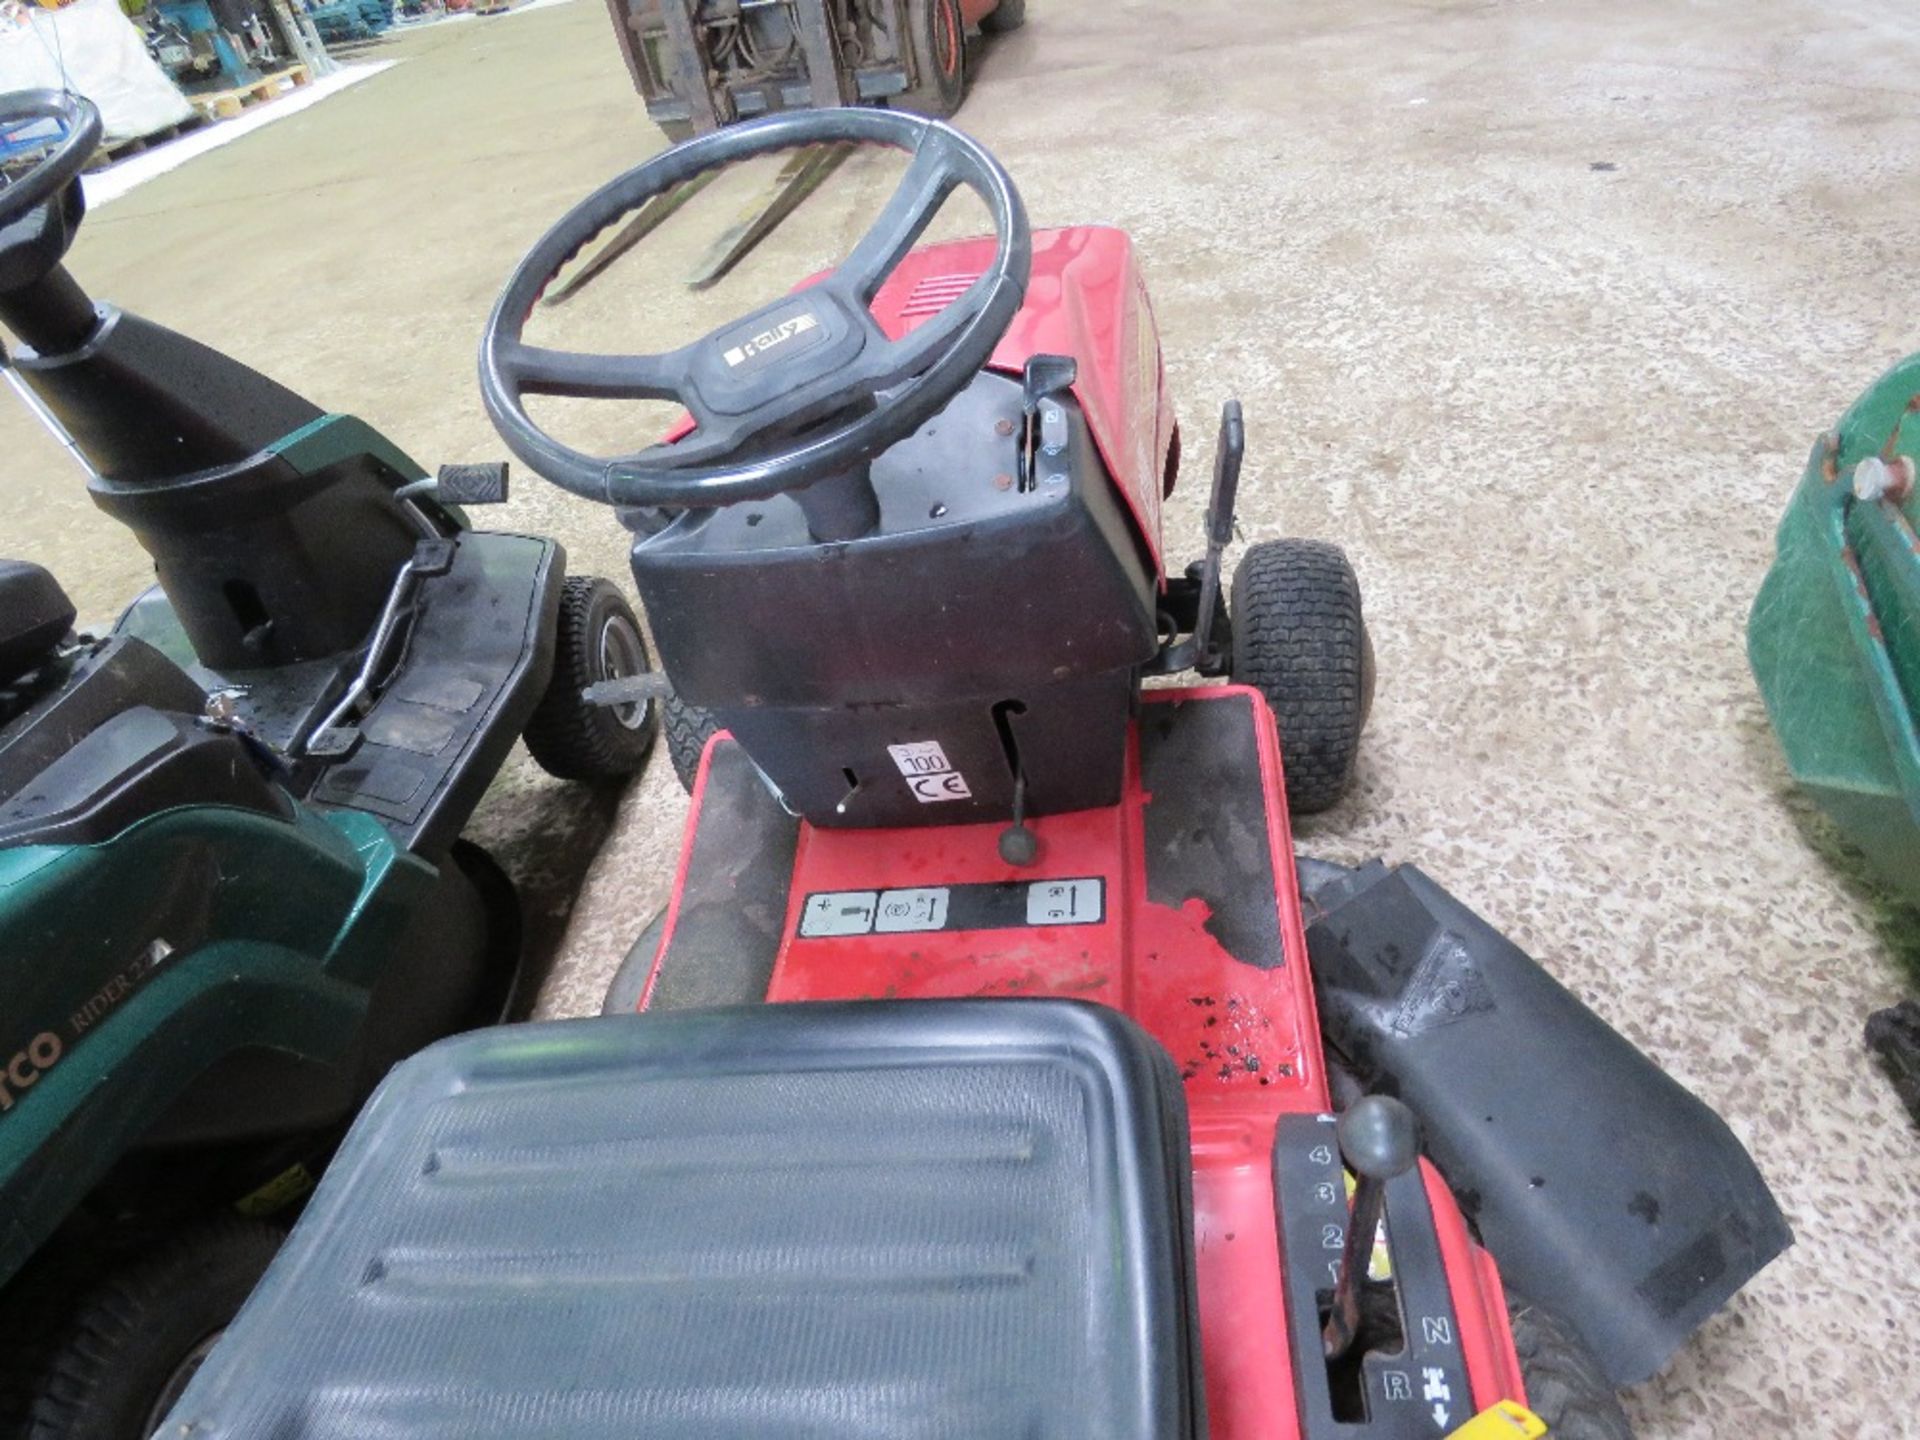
(1602, 1186)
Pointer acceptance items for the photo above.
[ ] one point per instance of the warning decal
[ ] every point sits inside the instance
(1010, 905)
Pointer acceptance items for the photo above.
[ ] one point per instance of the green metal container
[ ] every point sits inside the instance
(1834, 638)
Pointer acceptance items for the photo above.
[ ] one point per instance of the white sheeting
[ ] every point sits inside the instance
(119, 178)
(91, 47)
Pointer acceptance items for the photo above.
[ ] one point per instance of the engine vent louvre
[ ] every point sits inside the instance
(933, 294)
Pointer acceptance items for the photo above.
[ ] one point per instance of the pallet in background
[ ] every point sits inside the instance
(120, 149)
(224, 104)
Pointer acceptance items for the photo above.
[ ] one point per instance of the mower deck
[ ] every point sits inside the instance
(1179, 907)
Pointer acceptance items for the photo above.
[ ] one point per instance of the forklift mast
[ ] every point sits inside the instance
(701, 64)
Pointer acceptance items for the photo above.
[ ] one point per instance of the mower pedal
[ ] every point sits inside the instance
(483, 484)
(433, 557)
(1505, 1421)
(338, 743)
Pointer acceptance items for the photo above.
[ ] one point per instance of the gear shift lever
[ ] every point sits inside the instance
(1379, 1140)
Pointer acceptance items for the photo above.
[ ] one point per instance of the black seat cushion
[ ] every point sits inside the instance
(899, 1220)
(35, 616)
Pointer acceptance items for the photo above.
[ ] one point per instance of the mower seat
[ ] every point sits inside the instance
(915, 1220)
(35, 616)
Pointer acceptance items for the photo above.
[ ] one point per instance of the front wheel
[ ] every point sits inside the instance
(688, 728)
(138, 1336)
(597, 638)
(1299, 638)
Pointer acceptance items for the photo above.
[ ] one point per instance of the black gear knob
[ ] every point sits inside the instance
(1379, 1138)
(1379, 1141)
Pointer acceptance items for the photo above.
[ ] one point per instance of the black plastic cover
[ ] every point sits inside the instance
(478, 658)
(1601, 1185)
(123, 673)
(35, 616)
(733, 902)
(138, 764)
(984, 626)
(921, 1219)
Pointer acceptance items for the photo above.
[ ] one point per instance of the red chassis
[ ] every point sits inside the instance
(1221, 983)
(1245, 1035)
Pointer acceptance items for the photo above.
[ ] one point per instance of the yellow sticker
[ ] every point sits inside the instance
(1505, 1421)
(288, 1186)
(1380, 1262)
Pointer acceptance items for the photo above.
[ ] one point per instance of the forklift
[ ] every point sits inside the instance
(701, 64)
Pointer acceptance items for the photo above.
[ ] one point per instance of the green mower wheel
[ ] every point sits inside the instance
(134, 1339)
(599, 639)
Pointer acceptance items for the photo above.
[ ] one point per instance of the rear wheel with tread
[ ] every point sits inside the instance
(1565, 1385)
(598, 638)
(1300, 639)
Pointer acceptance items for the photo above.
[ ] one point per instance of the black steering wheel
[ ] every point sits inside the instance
(802, 389)
(79, 118)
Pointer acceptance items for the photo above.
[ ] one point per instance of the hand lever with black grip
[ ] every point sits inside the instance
(1379, 1141)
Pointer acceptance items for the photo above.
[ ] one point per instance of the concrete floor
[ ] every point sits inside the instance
(1534, 306)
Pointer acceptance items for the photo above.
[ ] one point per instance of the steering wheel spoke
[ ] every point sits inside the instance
(930, 179)
(536, 370)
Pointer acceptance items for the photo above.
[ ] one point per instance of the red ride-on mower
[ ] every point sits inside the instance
(978, 1088)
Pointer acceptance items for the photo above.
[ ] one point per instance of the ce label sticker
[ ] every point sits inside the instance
(930, 788)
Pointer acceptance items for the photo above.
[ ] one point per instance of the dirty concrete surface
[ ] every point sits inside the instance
(1536, 307)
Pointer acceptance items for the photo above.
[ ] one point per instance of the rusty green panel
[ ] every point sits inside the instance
(1834, 638)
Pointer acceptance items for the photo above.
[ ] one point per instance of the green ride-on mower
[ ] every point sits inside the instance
(996, 1072)
(1835, 644)
(233, 889)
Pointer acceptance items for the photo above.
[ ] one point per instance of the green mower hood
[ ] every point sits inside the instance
(1834, 638)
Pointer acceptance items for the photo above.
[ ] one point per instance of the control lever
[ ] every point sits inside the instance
(1044, 376)
(1197, 651)
(1227, 456)
(1379, 1141)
